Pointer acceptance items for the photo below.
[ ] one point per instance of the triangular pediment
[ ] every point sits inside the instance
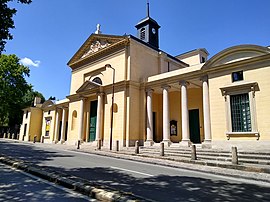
(235, 54)
(88, 85)
(94, 44)
(47, 103)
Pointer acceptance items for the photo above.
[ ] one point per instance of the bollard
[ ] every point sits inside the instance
(193, 152)
(42, 139)
(78, 144)
(117, 145)
(162, 149)
(13, 136)
(18, 136)
(234, 155)
(35, 139)
(5, 135)
(137, 149)
(99, 144)
(8, 136)
(29, 138)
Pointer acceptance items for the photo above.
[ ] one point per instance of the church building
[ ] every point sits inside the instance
(126, 88)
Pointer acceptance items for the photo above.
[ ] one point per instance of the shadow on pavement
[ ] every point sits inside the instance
(16, 186)
(173, 188)
(159, 188)
(28, 153)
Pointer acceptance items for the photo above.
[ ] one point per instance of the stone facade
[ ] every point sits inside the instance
(127, 90)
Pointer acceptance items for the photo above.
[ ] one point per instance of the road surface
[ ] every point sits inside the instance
(155, 182)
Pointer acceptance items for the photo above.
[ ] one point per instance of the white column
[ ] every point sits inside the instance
(166, 116)
(63, 129)
(80, 131)
(100, 109)
(185, 118)
(56, 132)
(149, 109)
(206, 112)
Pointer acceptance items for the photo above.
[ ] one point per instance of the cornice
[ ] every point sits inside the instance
(237, 64)
(104, 89)
(173, 79)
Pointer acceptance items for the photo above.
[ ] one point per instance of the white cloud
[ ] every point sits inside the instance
(28, 62)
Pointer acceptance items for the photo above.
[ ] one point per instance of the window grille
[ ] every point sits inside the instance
(240, 113)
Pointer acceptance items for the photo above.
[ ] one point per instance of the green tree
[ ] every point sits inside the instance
(6, 21)
(13, 88)
(29, 97)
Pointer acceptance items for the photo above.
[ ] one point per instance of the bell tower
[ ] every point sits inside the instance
(148, 29)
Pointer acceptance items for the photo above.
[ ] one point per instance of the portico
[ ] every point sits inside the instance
(90, 102)
(174, 102)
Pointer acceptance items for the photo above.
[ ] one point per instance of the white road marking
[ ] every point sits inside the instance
(132, 171)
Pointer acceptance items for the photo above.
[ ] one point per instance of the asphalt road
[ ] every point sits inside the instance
(18, 186)
(150, 181)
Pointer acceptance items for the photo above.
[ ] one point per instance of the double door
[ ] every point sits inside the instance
(93, 121)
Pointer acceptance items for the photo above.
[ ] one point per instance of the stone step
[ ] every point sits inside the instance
(224, 156)
(187, 151)
(248, 155)
(254, 156)
(182, 149)
(253, 161)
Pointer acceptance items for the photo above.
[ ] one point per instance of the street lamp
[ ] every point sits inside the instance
(109, 66)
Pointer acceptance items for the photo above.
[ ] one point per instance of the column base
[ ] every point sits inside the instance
(149, 143)
(207, 144)
(185, 143)
(167, 143)
(63, 141)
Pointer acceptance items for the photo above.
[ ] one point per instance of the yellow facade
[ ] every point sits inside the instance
(31, 125)
(186, 99)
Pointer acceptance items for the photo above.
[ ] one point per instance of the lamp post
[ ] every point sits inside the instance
(109, 66)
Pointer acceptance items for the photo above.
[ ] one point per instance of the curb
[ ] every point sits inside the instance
(77, 184)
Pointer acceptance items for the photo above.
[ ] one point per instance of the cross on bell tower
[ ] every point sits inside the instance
(148, 29)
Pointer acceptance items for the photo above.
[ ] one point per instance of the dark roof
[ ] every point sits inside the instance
(145, 21)
(203, 49)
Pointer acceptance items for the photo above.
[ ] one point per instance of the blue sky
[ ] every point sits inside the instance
(50, 32)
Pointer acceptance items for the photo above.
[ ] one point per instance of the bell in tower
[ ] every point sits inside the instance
(147, 30)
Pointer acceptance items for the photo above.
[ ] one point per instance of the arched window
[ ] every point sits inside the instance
(74, 118)
(142, 34)
(97, 80)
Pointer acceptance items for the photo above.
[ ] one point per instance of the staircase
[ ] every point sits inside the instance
(260, 158)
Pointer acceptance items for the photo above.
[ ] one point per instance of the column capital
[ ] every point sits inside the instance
(165, 87)
(204, 78)
(149, 90)
(183, 83)
(100, 93)
(81, 97)
(62, 107)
